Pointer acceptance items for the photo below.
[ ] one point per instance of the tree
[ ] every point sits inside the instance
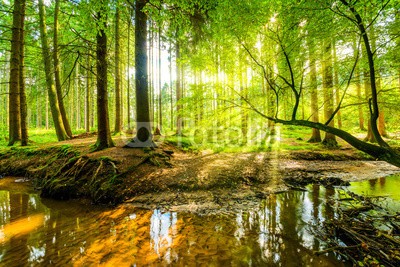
(373, 102)
(103, 126)
(15, 69)
(52, 93)
(327, 84)
(22, 94)
(316, 135)
(118, 102)
(57, 79)
(144, 137)
(348, 13)
(178, 86)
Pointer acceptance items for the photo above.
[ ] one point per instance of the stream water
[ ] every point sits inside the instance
(42, 232)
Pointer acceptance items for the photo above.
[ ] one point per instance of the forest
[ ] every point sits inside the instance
(75, 66)
(185, 68)
(182, 104)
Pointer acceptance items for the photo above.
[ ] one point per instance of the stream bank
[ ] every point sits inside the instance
(170, 178)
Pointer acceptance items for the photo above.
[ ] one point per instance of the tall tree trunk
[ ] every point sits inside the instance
(128, 91)
(14, 89)
(170, 87)
(118, 103)
(160, 121)
(327, 73)
(103, 126)
(179, 119)
(316, 134)
(78, 97)
(150, 72)
(243, 91)
(87, 96)
(360, 99)
(357, 74)
(55, 108)
(144, 136)
(367, 89)
(336, 85)
(56, 62)
(22, 95)
(381, 117)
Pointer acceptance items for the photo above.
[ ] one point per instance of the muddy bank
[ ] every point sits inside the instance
(169, 178)
(230, 181)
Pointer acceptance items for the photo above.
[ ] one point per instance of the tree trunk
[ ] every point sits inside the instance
(14, 89)
(22, 95)
(53, 101)
(243, 91)
(56, 62)
(381, 117)
(316, 134)
(327, 77)
(150, 73)
(367, 88)
(336, 85)
(357, 75)
(160, 120)
(179, 120)
(170, 87)
(144, 136)
(78, 98)
(103, 127)
(128, 91)
(87, 96)
(360, 99)
(118, 103)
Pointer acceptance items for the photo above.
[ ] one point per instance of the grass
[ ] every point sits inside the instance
(288, 138)
(37, 136)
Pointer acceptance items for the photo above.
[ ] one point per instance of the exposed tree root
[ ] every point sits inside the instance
(61, 173)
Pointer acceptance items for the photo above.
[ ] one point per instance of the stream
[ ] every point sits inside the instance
(278, 232)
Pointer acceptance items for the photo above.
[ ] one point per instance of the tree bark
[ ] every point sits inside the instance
(179, 120)
(103, 127)
(14, 86)
(316, 134)
(144, 137)
(78, 98)
(327, 82)
(170, 87)
(87, 96)
(57, 79)
(22, 94)
(336, 85)
(357, 75)
(53, 101)
(381, 117)
(118, 103)
(128, 97)
(160, 119)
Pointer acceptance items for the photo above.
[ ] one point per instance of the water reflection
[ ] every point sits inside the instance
(277, 233)
(387, 187)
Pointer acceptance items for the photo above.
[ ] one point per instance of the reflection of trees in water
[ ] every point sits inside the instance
(273, 234)
(316, 215)
(17, 244)
(162, 233)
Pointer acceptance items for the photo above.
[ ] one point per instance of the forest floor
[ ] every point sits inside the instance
(170, 178)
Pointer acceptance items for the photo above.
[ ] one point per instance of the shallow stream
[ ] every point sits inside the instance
(279, 232)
